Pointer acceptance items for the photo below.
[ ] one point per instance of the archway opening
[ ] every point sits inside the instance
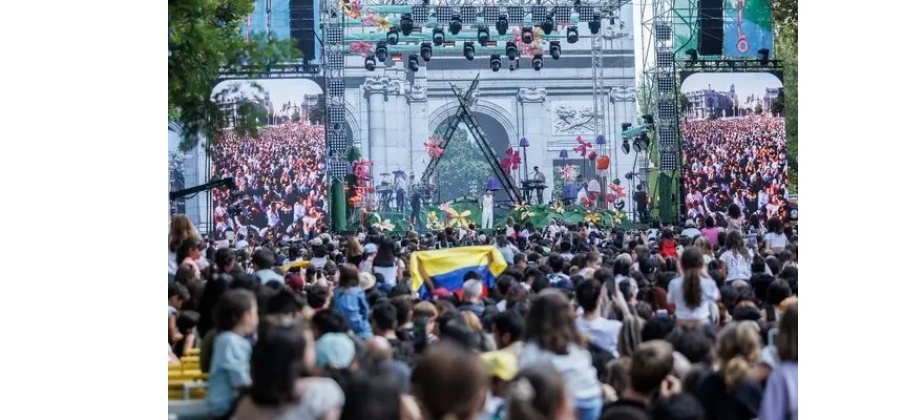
(464, 169)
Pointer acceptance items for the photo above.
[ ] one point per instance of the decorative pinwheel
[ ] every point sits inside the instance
(363, 169)
(569, 173)
(558, 207)
(617, 217)
(511, 161)
(583, 146)
(433, 223)
(593, 218)
(434, 147)
(360, 48)
(524, 210)
(616, 190)
(351, 9)
(456, 218)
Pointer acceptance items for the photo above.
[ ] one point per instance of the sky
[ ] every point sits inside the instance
(281, 90)
(745, 83)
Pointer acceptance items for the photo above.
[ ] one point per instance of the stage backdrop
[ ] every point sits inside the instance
(279, 173)
(734, 145)
(747, 26)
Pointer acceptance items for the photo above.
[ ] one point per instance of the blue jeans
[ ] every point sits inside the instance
(589, 409)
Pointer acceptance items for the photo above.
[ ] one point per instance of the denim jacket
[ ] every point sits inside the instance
(352, 304)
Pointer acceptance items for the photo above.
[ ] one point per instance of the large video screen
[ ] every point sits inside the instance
(734, 145)
(280, 174)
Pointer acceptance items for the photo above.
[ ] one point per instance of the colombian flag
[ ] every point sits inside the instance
(446, 267)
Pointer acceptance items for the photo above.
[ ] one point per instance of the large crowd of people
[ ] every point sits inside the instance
(281, 182)
(740, 161)
(669, 323)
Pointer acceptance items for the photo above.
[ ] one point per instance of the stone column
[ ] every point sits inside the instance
(536, 127)
(375, 89)
(417, 96)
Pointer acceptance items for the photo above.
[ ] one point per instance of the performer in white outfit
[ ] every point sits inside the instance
(487, 210)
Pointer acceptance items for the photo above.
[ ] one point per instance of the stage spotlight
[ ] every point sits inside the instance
(763, 55)
(369, 63)
(625, 126)
(640, 143)
(571, 34)
(469, 51)
(392, 36)
(495, 62)
(425, 51)
(527, 35)
(537, 61)
(625, 146)
(555, 49)
(502, 25)
(694, 56)
(456, 24)
(437, 36)
(406, 24)
(649, 119)
(547, 25)
(413, 62)
(595, 24)
(381, 51)
(483, 35)
(511, 51)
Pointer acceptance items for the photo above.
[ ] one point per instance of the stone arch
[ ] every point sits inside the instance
(500, 114)
(352, 127)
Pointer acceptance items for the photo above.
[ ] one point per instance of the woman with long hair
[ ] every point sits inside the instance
(705, 247)
(729, 392)
(551, 338)
(780, 398)
(385, 264)
(280, 358)
(180, 229)
(737, 258)
(354, 252)
(734, 219)
(188, 254)
(539, 394)
(775, 238)
(694, 293)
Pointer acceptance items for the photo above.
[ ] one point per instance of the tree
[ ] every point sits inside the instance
(318, 113)
(777, 107)
(204, 38)
(786, 26)
(683, 101)
(463, 169)
(758, 109)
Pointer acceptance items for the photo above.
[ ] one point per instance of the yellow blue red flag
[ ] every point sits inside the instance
(446, 267)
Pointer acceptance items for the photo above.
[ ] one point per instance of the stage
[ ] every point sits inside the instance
(434, 218)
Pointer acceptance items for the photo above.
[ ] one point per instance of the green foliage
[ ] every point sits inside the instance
(463, 169)
(786, 15)
(758, 109)
(786, 27)
(205, 37)
(777, 107)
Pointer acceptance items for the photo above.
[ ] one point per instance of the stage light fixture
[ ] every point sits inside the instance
(511, 50)
(595, 24)
(625, 126)
(649, 119)
(537, 61)
(437, 36)
(381, 51)
(469, 51)
(625, 146)
(527, 35)
(502, 25)
(483, 35)
(763, 55)
(495, 62)
(694, 56)
(555, 49)
(406, 24)
(571, 34)
(547, 25)
(392, 36)
(456, 24)
(413, 62)
(369, 63)
(640, 143)
(425, 51)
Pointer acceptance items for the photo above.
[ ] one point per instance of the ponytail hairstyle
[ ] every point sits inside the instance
(691, 262)
(535, 394)
(737, 350)
(735, 242)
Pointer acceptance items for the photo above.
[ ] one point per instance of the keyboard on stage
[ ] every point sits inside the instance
(532, 184)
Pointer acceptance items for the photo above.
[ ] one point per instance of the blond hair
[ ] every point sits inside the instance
(737, 350)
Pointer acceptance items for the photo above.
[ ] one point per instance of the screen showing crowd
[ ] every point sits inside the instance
(280, 176)
(734, 146)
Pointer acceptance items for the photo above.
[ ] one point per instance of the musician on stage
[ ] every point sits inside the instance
(486, 203)
(400, 192)
(540, 179)
(641, 199)
(415, 201)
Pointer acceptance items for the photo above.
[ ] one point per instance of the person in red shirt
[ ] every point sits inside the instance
(668, 247)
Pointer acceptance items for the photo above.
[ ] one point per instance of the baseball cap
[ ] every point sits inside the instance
(370, 249)
(500, 364)
(335, 350)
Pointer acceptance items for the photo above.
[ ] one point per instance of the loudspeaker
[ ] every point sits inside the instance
(303, 27)
(711, 30)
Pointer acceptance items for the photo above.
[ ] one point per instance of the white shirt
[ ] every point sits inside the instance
(738, 267)
(487, 202)
(700, 313)
(775, 240)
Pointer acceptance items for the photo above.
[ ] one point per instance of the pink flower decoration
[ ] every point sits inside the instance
(360, 48)
(583, 146)
(434, 147)
(363, 169)
(617, 190)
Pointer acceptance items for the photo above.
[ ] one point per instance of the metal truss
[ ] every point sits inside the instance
(278, 71)
(333, 53)
(687, 67)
